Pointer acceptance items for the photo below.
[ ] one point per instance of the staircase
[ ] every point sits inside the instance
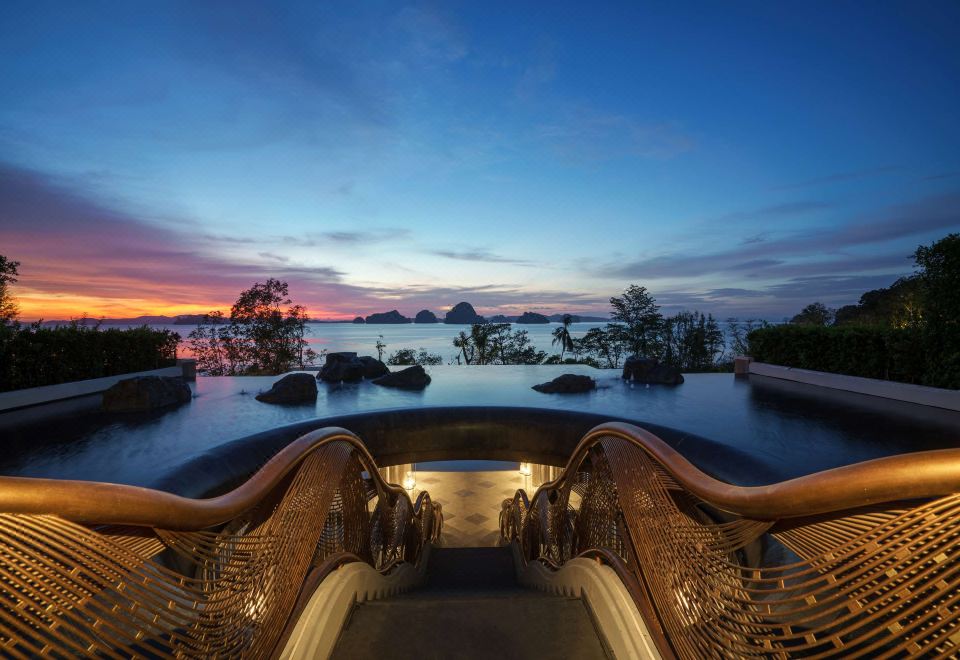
(470, 606)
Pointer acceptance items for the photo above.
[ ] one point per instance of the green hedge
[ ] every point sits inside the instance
(871, 352)
(32, 356)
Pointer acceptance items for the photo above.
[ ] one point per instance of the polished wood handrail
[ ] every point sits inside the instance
(121, 571)
(904, 476)
(91, 502)
(865, 557)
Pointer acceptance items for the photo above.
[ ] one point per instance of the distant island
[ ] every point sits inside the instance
(426, 316)
(391, 317)
(463, 313)
(532, 317)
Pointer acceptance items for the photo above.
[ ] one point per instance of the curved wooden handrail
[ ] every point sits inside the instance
(92, 502)
(902, 477)
(865, 556)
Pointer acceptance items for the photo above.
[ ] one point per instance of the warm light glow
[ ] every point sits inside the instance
(525, 469)
(410, 481)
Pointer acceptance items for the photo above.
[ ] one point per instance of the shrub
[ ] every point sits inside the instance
(869, 351)
(33, 356)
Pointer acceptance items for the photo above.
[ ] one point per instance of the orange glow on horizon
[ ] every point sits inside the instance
(50, 307)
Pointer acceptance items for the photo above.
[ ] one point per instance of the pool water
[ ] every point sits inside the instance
(791, 429)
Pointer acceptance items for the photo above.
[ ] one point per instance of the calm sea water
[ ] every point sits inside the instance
(435, 337)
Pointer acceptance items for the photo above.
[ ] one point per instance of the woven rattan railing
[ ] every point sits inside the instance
(862, 560)
(118, 571)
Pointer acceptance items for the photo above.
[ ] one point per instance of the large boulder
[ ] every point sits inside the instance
(341, 367)
(426, 316)
(372, 367)
(463, 313)
(393, 316)
(650, 371)
(532, 317)
(292, 388)
(567, 384)
(411, 378)
(146, 393)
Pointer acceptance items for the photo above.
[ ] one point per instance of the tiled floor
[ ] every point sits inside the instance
(471, 503)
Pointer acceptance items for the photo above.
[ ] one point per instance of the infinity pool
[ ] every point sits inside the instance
(790, 429)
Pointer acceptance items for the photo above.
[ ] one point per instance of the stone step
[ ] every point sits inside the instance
(470, 606)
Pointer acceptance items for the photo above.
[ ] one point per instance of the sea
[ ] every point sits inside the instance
(362, 338)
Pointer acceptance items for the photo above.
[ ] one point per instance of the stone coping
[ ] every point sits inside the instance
(35, 396)
(887, 389)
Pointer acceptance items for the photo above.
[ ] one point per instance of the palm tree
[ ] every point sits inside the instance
(562, 336)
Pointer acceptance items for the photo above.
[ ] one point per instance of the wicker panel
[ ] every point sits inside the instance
(70, 589)
(862, 580)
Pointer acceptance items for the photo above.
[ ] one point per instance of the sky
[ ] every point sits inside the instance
(739, 158)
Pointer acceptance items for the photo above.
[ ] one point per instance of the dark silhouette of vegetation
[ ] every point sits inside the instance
(260, 337)
(409, 356)
(816, 314)
(642, 322)
(8, 276)
(494, 343)
(867, 351)
(737, 333)
(909, 331)
(606, 346)
(34, 356)
(380, 346)
(938, 269)
(692, 342)
(561, 335)
(897, 306)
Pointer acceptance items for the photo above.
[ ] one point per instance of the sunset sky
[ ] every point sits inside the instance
(741, 158)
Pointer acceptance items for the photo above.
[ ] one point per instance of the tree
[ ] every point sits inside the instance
(693, 342)
(816, 314)
(8, 276)
(380, 346)
(939, 272)
(464, 343)
(408, 356)
(261, 336)
(607, 346)
(897, 306)
(640, 315)
(561, 335)
(738, 330)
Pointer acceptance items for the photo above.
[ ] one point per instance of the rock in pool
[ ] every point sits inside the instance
(372, 367)
(146, 393)
(341, 367)
(567, 384)
(411, 378)
(292, 388)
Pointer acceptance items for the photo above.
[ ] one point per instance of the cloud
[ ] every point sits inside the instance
(480, 255)
(73, 245)
(774, 211)
(353, 237)
(80, 254)
(840, 176)
(932, 213)
(942, 175)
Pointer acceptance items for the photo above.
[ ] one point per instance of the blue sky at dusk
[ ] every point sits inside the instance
(741, 158)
